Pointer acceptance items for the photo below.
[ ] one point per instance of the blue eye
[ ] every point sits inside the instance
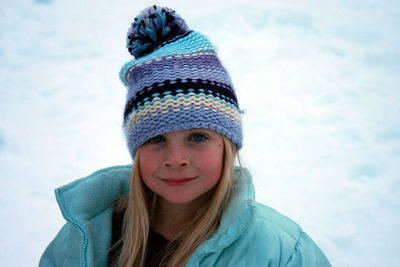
(198, 137)
(157, 139)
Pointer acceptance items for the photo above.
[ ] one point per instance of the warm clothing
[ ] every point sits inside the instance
(249, 234)
(176, 81)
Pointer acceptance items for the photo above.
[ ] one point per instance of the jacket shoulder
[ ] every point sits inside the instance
(275, 221)
(285, 239)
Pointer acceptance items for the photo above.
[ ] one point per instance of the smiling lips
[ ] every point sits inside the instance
(178, 181)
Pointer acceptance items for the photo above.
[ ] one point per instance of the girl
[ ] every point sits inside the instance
(182, 202)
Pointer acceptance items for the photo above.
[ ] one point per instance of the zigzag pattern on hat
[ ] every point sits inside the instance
(203, 67)
(176, 87)
(181, 103)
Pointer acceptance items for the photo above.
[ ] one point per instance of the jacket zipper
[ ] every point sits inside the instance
(77, 224)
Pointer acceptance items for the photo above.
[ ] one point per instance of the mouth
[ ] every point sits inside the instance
(177, 181)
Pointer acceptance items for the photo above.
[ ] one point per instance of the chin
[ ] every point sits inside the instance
(176, 199)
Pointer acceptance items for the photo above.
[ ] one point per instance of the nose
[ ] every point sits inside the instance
(176, 157)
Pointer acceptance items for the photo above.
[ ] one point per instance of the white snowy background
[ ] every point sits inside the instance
(319, 81)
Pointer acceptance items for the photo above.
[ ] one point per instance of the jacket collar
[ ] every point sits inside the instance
(85, 198)
(86, 203)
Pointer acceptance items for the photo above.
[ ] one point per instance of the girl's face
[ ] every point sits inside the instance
(183, 165)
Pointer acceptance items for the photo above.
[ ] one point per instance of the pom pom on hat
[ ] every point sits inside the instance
(153, 27)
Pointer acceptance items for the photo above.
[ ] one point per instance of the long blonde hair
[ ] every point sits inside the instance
(141, 201)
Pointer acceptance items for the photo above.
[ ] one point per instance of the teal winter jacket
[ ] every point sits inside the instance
(250, 234)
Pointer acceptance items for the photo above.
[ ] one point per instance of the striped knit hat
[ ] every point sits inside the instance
(176, 81)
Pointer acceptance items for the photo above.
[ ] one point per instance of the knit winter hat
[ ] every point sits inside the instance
(176, 81)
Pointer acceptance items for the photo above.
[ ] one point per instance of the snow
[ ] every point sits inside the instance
(318, 81)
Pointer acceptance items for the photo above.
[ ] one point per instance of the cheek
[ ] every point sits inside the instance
(212, 161)
(147, 165)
